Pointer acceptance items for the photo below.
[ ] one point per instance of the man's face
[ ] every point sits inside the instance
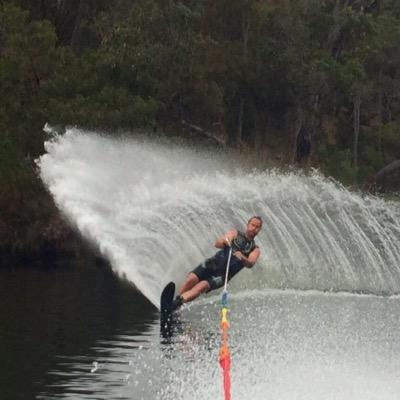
(253, 227)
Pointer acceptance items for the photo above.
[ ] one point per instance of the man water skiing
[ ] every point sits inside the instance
(210, 274)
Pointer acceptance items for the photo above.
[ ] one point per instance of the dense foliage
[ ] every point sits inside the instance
(299, 80)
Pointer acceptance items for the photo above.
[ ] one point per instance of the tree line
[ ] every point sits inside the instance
(305, 81)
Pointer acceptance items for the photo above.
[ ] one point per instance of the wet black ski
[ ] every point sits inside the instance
(166, 317)
(167, 297)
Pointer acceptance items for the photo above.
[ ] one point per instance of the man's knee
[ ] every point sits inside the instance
(203, 286)
(192, 278)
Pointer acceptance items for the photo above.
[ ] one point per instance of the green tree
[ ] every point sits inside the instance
(27, 51)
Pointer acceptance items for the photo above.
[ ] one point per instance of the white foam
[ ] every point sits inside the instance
(154, 209)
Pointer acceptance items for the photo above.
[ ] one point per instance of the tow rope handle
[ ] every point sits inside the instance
(224, 353)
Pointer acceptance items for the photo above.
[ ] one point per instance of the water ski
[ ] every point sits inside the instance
(167, 297)
(166, 317)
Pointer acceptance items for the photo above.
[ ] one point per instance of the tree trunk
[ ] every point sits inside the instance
(43, 9)
(239, 129)
(334, 38)
(379, 6)
(245, 32)
(389, 109)
(380, 121)
(76, 33)
(259, 131)
(334, 32)
(298, 127)
(245, 37)
(356, 128)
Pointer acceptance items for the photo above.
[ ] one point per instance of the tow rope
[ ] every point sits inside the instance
(224, 353)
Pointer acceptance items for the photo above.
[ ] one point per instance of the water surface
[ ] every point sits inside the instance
(82, 333)
(51, 315)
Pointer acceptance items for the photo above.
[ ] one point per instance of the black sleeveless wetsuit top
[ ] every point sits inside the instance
(219, 260)
(242, 244)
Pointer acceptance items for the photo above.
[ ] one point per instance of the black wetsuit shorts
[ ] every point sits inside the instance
(213, 269)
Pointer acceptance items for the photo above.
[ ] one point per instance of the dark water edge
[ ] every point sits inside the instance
(32, 230)
(48, 314)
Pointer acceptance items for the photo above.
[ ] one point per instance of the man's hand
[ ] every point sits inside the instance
(225, 240)
(250, 260)
(243, 259)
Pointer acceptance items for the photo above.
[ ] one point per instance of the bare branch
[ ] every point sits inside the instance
(210, 135)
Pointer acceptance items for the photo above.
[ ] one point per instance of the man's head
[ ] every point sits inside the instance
(254, 225)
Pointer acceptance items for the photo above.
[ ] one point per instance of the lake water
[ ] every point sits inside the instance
(52, 324)
(79, 332)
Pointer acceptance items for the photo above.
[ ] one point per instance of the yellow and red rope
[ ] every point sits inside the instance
(224, 353)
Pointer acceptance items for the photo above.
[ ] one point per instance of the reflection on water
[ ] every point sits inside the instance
(55, 322)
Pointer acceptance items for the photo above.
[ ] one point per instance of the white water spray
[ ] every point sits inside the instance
(154, 209)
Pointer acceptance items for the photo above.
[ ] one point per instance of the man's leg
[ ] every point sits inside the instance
(194, 285)
(191, 280)
(195, 291)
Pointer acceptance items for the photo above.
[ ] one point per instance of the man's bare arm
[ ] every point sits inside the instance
(251, 259)
(223, 240)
